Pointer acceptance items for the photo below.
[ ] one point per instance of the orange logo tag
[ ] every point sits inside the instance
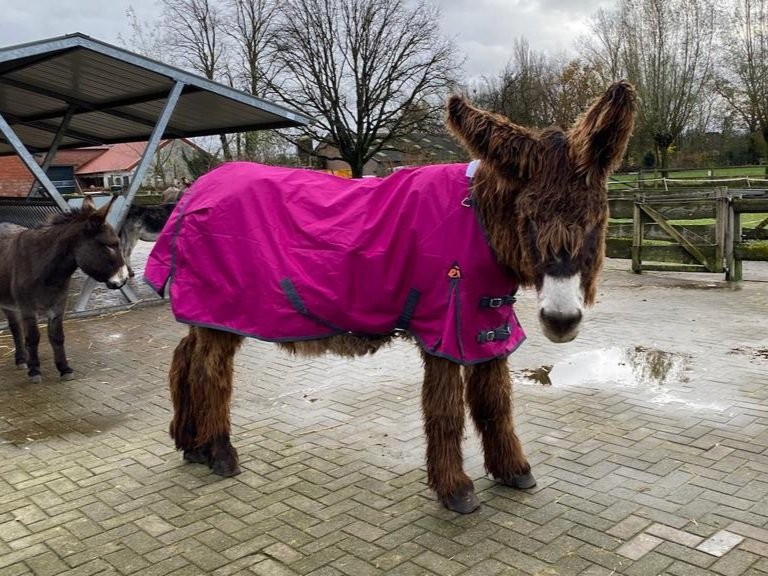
(454, 272)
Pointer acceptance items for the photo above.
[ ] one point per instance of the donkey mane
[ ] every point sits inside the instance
(76, 215)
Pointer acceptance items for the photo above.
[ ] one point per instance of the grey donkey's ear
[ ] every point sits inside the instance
(511, 150)
(598, 139)
(88, 204)
(104, 210)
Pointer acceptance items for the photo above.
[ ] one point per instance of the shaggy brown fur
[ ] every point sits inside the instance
(554, 197)
(541, 195)
(201, 377)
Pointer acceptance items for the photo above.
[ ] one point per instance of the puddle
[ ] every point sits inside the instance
(663, 375)
(615, 366)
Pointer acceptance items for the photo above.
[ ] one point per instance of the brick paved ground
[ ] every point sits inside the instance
(656, 464)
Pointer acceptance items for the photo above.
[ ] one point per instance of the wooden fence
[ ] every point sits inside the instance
(689, 230)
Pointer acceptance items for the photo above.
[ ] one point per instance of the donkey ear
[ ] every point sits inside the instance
(88, 205)
(104, 210)
(599, 137)
(509, 149)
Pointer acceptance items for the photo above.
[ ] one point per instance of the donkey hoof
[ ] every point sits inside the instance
(197, 455)
(36, 379)
(463, 502)
(521, 481)
(22, 366)
(66, 377)
(225, 469)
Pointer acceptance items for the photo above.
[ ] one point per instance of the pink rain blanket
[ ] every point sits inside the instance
(283, 254)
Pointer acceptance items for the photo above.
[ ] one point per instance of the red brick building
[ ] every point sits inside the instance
(100, 167)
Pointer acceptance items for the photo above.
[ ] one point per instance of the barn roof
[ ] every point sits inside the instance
(114, 95)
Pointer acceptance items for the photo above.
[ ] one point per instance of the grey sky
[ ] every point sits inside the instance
(483, 29)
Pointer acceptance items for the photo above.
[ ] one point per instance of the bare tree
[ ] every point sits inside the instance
(742, 77)
(193, 33)
(603, 47)
(361, 68)
(250, 25)
(665, 48)
(571, 88)
(520, 90)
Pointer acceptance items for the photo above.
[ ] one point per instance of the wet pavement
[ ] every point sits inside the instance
(648, 436)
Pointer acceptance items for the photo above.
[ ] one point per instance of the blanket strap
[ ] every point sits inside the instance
(497, 301)
(404, 320)
(296, 301)
(500, 333)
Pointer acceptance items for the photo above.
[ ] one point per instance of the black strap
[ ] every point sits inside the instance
(497, 301)
(404, 320)
(498, 334)
(295, 299)
(293, 296)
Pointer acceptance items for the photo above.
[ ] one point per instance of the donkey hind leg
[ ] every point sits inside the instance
(443, 406)
(201, 388)
(489, 396)
(56, 338)
(17, 332)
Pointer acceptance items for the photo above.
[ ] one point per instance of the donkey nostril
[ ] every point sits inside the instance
(560, 322)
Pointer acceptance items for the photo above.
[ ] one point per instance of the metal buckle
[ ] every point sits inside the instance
(495, 302)
(490, 336)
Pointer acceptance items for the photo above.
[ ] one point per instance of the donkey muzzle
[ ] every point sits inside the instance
(559, 327)
(118, 279)
(561, 304)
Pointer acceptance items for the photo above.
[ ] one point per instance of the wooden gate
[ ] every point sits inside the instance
(670, 232)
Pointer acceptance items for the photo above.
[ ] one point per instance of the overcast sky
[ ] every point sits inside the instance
(483, 29)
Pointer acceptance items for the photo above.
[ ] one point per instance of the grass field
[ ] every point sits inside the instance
(698, 177)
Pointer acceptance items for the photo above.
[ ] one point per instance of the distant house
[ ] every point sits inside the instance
(107, 167)
(409, 151)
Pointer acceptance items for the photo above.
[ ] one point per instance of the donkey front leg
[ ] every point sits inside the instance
(201, 377)
(489, 395)
(56, 338)
(17, 332)
(443, 406)
(31, 343)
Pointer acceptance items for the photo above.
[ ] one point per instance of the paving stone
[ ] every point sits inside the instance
(628, 527)
(674, 535)
(333, 456)
(639, 546)
(720, 543)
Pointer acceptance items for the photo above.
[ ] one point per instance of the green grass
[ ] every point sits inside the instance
(747, 221)
(621, 181)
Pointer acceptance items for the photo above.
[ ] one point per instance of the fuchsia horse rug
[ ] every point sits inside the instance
(283, 254)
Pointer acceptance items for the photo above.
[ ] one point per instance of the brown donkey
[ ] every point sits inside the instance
(536, 199)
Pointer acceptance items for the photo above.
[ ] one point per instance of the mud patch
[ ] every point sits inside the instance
(20, 432)
(756, 354)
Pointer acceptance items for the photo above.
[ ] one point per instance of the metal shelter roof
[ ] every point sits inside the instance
(74, 91)
(113, 95)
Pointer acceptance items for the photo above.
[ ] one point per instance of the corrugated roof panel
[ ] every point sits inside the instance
(18, 102)
(34, 138)
(91, 77)
(40, 81)
(105, 126)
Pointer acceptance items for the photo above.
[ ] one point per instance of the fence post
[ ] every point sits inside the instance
(637, 236)
(733, 235)
(721, 225)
